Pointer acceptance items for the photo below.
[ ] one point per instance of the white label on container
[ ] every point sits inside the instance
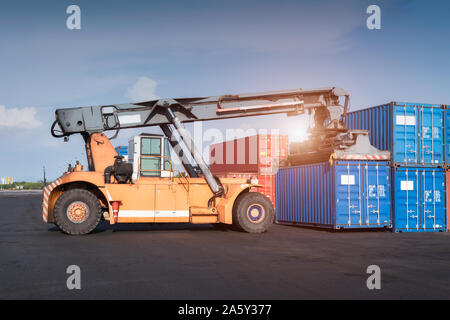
(381, 191)
(405, 120)
(372, 191)
(347, 179)
(427, 195)
(436, 131)
(376, 191)
(132, 118)
(437, 196)
(407, 185)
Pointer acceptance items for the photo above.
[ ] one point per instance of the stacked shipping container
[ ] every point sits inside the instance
(419, 199)
(345, 194)
(447, 159)
(447, 181)
(122, 151)
(254, 156)
(446, 110)
(414, 133)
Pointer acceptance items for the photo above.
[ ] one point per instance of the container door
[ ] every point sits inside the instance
(263, 160)
(432, 216)
(264, 181)
(406, 199)
(447, 134)
(448, 199)
(431, 135)
(376, 191)
(405, 144)
(272, 148)
(349, 208)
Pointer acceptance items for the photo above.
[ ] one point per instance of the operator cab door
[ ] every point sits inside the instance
(150, 156)
(152, 165)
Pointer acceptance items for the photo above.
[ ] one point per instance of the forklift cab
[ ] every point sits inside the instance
(150, 156)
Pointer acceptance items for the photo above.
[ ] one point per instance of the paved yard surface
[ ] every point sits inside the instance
(178, 261)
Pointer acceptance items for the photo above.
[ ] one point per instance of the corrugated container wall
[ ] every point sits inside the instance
(259, 154)
(413, 132)
(346, 194)
(268, 188)
(255, 156)
(419, 199)
(448, 199)
(447, 134)
(267, 182)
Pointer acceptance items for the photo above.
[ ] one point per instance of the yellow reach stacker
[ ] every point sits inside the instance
(146, 188)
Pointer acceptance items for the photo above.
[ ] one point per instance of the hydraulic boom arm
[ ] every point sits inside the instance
(325, 103)
(170, 114)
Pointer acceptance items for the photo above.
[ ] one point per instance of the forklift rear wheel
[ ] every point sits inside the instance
(253, 212)
(77, 212)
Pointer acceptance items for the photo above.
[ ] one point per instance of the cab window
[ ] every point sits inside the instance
(151, 146)
(150, 167)
(166, 158)
(153, 151)
(150, 157)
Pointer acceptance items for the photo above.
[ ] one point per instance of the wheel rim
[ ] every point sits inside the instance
(77, 212)
(256, 213)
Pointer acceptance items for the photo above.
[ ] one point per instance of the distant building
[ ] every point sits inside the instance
(7, 180)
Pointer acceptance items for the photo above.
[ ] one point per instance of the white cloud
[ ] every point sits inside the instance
(18, 118)
(142, 90)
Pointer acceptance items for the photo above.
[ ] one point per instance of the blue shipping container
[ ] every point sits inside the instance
(414, 133)
(447, 134)
(122, 150)
(346, 194)
(419, 199)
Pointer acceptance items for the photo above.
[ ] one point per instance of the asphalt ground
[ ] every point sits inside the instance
(182, 261)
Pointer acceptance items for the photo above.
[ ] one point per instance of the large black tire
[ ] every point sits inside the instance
(253, 213)
(77, 212)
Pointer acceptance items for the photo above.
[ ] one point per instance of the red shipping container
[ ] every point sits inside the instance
(267, 182)
(243, 175)
(259, 154)
(268, 189)
(256, 156)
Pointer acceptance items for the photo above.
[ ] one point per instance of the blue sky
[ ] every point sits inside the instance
(127, 50)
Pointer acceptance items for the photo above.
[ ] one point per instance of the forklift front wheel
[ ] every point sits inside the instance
(253, 212)
(77, 212)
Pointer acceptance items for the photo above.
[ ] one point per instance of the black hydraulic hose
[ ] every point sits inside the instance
(218, 193)
(52, 130)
